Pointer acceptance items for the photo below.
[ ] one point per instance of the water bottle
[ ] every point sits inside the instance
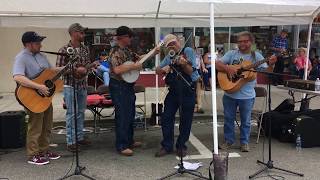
(317, 85)
(298, 143)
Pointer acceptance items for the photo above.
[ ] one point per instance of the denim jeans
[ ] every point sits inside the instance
(81, 104)
(230, 109)
(171, 105)
(123, 98)
(104, 72)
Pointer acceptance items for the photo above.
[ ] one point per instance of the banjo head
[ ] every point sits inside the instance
(131, 76)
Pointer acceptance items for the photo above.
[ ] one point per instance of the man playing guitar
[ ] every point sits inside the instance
(122, 93)
(29, 63)
(244, 98)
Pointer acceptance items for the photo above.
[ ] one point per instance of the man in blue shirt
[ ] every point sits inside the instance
(180, 94)
(244, 98)
(29, 64)
(103, 70)
(279, 46)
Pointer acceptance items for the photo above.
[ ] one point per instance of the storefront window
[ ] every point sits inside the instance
(101, 40)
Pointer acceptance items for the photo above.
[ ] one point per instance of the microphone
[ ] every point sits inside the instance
(56, 53)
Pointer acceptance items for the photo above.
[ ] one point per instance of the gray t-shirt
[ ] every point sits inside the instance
(30, 65)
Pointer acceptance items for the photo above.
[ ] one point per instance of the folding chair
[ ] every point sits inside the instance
(142, 107)
(261, 92)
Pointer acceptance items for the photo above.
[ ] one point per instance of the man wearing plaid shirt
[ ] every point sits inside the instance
(279, 46)
(77, 35)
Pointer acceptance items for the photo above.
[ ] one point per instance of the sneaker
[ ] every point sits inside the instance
(37, 160)
(225, 146)
(244, 148)
(162, 152)
(84, 142)
(52, 155)
(126, 152)
(182, 152)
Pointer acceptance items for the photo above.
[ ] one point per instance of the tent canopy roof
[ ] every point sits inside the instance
(142, 13)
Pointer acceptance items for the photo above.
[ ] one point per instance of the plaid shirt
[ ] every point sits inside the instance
(119, 56)
(83, 53)
(279, 42)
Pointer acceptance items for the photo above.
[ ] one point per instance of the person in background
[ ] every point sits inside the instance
(199, 86)
(315, 71)
(279, 47)
(103, 69)
(207, 75)
(300, 62)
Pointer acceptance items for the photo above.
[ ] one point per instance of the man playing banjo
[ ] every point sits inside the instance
(122, 92)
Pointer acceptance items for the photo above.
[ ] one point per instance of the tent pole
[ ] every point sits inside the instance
(308, 50)
(157, 38)
(213, 81)
(229, 39)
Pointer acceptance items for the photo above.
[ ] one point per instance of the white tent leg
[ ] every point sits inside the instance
(157, 38)
(213, 82)
(308, 50)
(229, 39)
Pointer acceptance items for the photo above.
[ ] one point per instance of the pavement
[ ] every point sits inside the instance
(103, 162)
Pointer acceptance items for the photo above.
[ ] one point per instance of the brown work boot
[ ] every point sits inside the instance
(244, 148)
(225, 146)
(182, 152)
(136, 144)
(72, 148)
(161, 152)
(126, 152)
(84, 142)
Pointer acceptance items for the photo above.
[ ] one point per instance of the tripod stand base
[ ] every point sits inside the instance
(78, 172)
(183, 170)
(269, 165)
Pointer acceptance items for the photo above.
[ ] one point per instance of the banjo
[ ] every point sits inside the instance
(133, 75)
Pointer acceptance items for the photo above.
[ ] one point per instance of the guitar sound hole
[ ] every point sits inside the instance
(51, 87)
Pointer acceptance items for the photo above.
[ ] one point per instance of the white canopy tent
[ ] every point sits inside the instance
(141, 13)
(167, 13)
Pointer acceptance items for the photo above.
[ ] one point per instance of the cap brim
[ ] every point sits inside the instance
(170, 41)
(41, 38)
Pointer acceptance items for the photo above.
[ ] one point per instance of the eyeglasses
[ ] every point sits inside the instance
(243, 41)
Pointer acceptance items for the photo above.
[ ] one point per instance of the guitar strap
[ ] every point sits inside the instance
(253, 55)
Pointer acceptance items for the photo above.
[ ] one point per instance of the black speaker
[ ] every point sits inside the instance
(286, 106)
(12, 129)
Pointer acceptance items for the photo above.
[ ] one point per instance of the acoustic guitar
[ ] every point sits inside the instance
(245, 73)
(31, 98)
(133, 75)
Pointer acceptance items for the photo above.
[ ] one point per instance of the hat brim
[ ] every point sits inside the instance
(40, 38)
(170, 41)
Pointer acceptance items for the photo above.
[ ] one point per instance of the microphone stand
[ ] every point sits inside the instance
(78, 169)
(269, 164)
(182, 170)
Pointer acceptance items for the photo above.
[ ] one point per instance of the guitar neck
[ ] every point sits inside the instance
(256, 64)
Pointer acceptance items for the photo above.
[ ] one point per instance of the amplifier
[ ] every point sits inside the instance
(300, 84)
(12, 129)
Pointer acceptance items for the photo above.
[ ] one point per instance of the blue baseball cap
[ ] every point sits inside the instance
(31, 36)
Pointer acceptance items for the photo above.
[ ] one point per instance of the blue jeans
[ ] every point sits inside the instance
(81, 104)
(123, 98)
(104, 72)
(230, 109)
(171, 105)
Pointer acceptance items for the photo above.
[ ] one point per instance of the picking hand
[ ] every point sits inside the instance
(231, 71)
(272, 60)
(43, 90)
